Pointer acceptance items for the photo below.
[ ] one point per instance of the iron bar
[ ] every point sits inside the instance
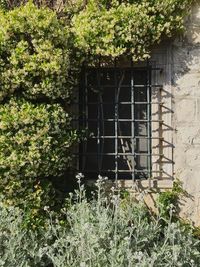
(125, 171)
(116, 126)
(119, 154)
(128, 137)
(133, 126)
(127, 68)
(98, 125)
(129, 103)
(126, 120)
(149, 120)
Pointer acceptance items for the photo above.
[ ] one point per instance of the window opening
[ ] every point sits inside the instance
(115, 107)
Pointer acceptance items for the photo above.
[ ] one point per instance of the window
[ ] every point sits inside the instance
(115, 107)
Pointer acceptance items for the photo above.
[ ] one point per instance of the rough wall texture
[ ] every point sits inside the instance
(186, 118)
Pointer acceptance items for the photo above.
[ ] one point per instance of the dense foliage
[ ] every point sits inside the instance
(114, 28)
(34, 54)
(107, 231)
(36, 135)
(34, 140)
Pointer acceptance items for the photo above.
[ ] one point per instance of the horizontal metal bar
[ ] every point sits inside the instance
(126, 137)
(125, 103)
(133, 68)
(119, 154)
(128, 171)
(120, 120)
(136, 86)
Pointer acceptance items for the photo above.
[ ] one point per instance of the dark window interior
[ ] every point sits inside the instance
(115, 108)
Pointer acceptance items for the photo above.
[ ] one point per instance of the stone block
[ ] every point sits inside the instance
(185, 110)
(187, 135)
(187, 85)
(193, 157)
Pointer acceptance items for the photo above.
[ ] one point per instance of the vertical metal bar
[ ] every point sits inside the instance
(85, 114)
(98, 123)
(149, 121)
(160, 134)
(132, 124)
(116, 125)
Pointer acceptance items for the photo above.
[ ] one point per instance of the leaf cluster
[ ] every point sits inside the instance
(34, 54)
(115, 28)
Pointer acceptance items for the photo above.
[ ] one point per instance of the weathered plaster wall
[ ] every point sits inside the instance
(186, 118)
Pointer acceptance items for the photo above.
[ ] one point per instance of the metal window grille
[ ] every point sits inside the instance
(115, 106)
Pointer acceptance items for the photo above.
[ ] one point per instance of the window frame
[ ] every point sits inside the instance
(162, 129)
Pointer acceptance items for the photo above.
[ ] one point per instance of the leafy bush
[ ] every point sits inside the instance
(170, 198)
(36, 135)
(114, 28)
(106, 231)
(35, 143)
(34, 54)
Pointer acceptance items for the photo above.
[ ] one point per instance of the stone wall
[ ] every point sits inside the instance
(185, 70)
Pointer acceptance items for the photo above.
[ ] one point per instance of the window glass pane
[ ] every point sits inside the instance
(109, 145)
(108, 128)
(92, 146)
(108, 111)
(140, 94)
(108, 94)
(125, 94)
(124, 111)
(92, 111)
(141, 128)
(141, 162)
(108, 163)
(91, 163)
(141, 145)
(124, 128)
(141, 112)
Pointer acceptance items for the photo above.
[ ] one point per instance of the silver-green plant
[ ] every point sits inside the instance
(18, 247)
(106, 230)
(111, 231)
